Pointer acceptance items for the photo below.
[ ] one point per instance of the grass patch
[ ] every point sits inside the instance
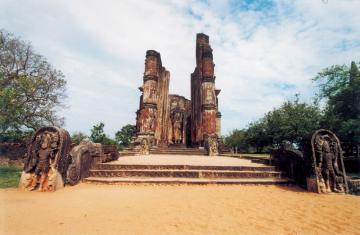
(9, 176)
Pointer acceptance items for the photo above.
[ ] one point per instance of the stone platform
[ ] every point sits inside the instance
(185, 169)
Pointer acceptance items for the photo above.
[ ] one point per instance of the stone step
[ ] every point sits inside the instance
(261, 161)
(201, 181)
(184, 151)
(175, 148)
(186, 173)
(127, 152)
(179, 153)
(181, 167)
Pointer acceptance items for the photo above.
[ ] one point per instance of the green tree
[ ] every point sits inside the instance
(257, 136)
(98, 135)
(332, 80)
(237, 139)
(30, 88)
(340, 88)
(16, 135)
(77, 137)
(124, 136)
(293, 121)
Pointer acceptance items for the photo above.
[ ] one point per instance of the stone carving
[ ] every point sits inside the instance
(150, 95)
(179, 120)
(209, 94)
(177, 126)
(212, 145)
(47, 160)
(81, 160)
(144, 147)
(328, 172)
(84, 156)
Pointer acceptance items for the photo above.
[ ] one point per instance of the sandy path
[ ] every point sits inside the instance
(155, 209)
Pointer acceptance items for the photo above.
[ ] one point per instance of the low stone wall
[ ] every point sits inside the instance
(354, 186)
(4, 161)
(12, 150)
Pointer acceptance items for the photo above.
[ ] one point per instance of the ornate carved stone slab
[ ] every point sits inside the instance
(327, 172)
(144, 147)
(47, 160)
(212, 145)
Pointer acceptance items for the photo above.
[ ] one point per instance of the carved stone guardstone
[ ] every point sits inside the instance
(144, 147)
(327, 171)
(47, 160)
(212, 145)
(84, 156)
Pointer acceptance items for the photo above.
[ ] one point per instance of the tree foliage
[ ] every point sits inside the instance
(15, 135)
(124, 136)
(98, 135)
(332, 80)
(257, 136)
(77, 137)
(340, 87)
(30, 88)
(237, 139)
(293, 121)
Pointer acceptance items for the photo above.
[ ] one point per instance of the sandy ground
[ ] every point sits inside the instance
(185, 209)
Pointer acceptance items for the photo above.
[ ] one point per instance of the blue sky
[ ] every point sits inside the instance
(265, 51)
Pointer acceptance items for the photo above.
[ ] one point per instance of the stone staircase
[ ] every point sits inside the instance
(185, 174)
(177, 149)
(174, 149)
(128, 152)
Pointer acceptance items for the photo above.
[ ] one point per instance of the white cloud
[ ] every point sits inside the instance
(263, 54)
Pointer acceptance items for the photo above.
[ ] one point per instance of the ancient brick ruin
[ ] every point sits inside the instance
(164, 119)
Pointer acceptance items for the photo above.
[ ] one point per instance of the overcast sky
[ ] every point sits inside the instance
(265, 51)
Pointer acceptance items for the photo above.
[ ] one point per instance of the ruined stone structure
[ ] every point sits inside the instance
(205, 118)
(153, 117)
(164, 119)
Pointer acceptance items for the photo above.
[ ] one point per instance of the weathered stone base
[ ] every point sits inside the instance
(312, 185)
(354, 186)
(29, 181)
